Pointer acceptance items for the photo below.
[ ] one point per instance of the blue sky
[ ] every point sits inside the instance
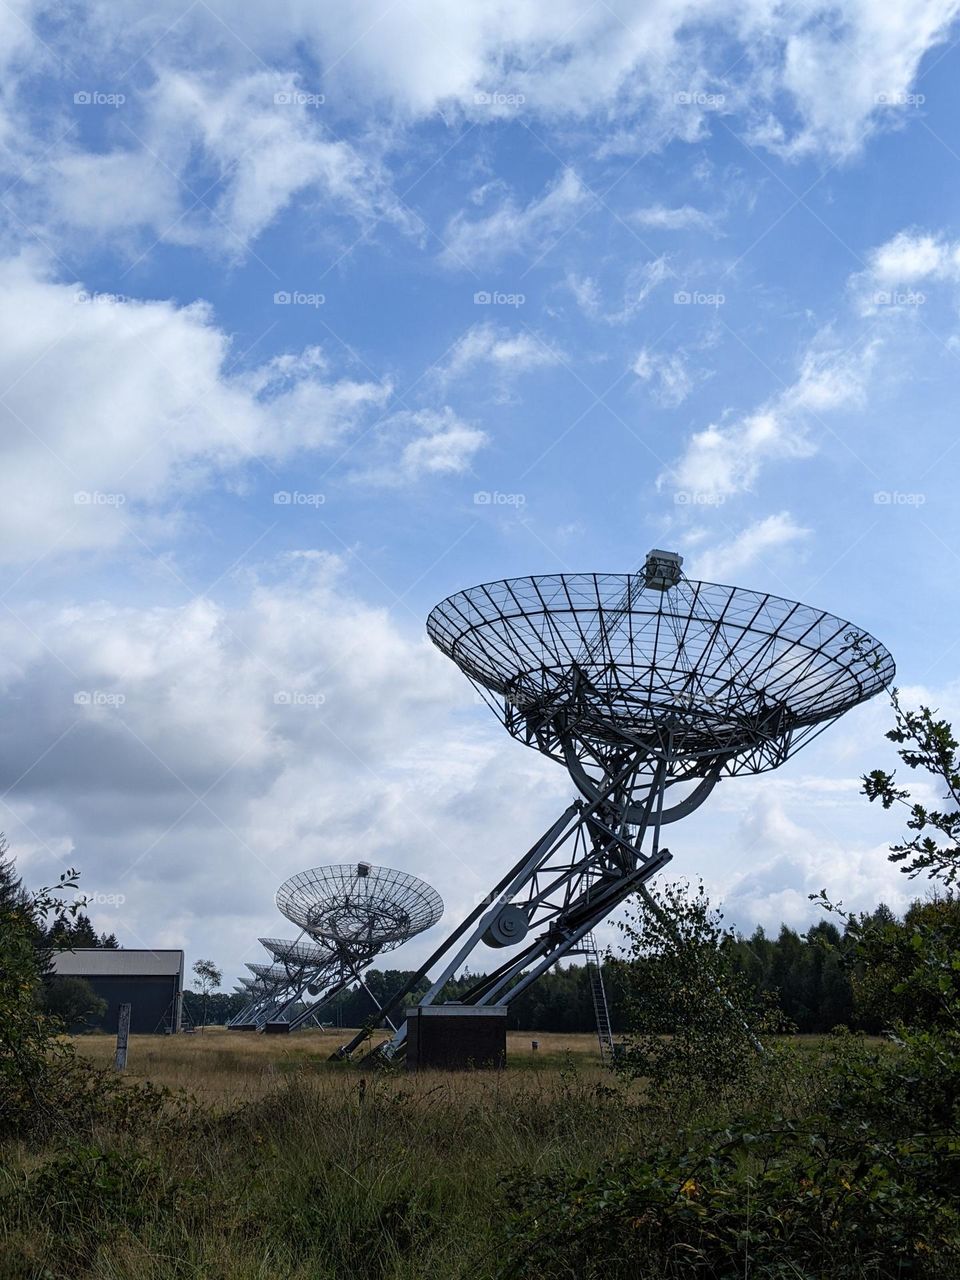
(484, 289)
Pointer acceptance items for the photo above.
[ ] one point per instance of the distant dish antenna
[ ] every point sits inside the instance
(348, 915)
(359, 910)
(295, 954)
(649, 688)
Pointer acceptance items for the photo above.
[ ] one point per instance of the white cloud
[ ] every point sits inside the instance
(668, 375)
(514, 228)
(114, 191)
(895, 269)
(112, 409)
(724, 561)
(224, 746)
(205, 156)
(417, 443)
(639, 282)
(213, 161)
(586, 293)
(724, 460)
(848, 75)
(661, 218)
(498, 348)
(911, 257)
(650, 73)
(790, 860)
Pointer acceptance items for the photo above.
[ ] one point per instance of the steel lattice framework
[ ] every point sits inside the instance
(359, 909)
(295, 954)
(275, 988)
(649, 688)
(603, 661)
(348, 914)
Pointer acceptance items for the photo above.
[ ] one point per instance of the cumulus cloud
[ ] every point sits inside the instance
(207, 155)
(188, 757)
(726, 459)
(650, 72)
(418, 443)
(497, 348)
(212, 161)
(896, 268)
(659, 217)
(849, 76)
(515, 228)
(790, 860)
(814, 84)
(723, 561)
(113, 408)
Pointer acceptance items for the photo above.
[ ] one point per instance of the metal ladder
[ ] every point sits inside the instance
(601, 1009)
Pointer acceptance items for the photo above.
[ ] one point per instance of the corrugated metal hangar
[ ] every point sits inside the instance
(151, 982)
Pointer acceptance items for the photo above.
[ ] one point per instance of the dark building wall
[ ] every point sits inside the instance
(152, 1000)
(455, 1041)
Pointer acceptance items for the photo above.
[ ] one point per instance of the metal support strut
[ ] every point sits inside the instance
(584, 866)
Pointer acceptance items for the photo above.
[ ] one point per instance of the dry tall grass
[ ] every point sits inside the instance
(226, 1067)
(307, 1170)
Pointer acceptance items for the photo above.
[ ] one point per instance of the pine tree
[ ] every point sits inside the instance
(12, 892)
(66, 935)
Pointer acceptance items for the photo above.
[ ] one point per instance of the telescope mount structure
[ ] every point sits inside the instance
(649, 688)
(348, 915)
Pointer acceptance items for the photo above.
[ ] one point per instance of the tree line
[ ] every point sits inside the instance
(814, 979)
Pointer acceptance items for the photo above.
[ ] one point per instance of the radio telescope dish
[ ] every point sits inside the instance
(295, 954)
(347, 915)
(650, 688)
(358, 909)
(269, 973)
(586, 667)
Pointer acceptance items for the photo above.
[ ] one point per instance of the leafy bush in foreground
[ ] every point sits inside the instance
(861, 1179)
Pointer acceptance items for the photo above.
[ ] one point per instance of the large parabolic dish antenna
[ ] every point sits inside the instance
(357, 909)
(650, 688)
(347, 914)
(589, 668)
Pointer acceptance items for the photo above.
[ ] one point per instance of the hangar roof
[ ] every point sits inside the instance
(107, 962)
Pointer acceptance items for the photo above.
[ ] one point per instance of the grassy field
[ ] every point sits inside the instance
(290, 1167)
(224, 1067)
(300, 1169)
